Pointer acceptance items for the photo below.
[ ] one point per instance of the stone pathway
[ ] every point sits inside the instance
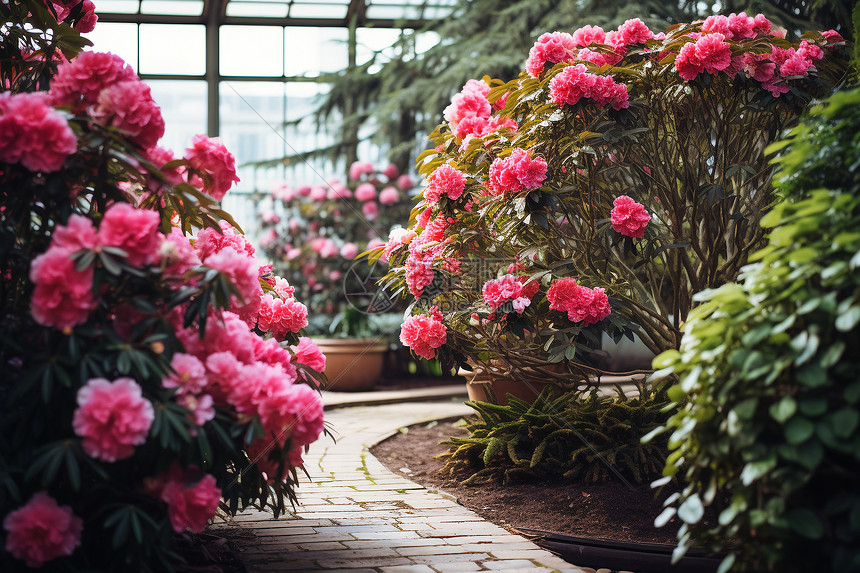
(358, 517)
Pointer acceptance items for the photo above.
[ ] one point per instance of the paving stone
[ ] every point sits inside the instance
(434, 559)
(432, 550)
(407, 569)
(457, 567)
(361, 563)
(386, 535)
(405, 542)
(535, 553)
(508, 564)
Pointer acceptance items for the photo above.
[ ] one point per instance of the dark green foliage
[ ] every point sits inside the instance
(768, 372)
(580, 435)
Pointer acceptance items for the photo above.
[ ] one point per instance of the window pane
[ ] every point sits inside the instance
(117, 7)
(335, 11)
(264, 9)
(172, 7)
(119, 39)
(309, 51)
(371, 40)
(252, 51)
(172, 49)
(183, 106)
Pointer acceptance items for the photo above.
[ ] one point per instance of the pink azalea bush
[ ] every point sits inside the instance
(314, 233)
(591, 195)
(135, 352)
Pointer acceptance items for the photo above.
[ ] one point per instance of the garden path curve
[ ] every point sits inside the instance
(356, 516)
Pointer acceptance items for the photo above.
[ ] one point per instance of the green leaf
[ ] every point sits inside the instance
(798, 430)
(806, 523)
(783, 410)
(848, 319)
(843, 422)
(754, 470)
(727, 563)
(692, 510)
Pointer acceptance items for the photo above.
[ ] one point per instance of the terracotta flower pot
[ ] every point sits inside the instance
(352, 364)
(489, 387)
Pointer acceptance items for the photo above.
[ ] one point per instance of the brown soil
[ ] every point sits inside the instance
(609, 510)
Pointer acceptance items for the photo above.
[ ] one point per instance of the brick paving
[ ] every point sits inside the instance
(356, 516)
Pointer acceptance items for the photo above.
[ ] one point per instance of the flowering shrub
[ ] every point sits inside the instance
(149, 375)
(768, 422)
(620, 173)
(312, 234)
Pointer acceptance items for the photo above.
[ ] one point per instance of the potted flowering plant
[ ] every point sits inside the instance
(618, 175)
(312, 235)
(150, 376)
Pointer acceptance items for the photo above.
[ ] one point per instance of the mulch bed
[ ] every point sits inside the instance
(609, 510)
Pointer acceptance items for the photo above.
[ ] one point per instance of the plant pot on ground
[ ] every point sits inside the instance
(355, 352)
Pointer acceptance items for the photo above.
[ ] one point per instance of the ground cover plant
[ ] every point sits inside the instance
(619, 174)
(581, 436)
(768, 421)
(152, 369)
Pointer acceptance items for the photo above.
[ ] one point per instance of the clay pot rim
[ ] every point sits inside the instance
(351, 344)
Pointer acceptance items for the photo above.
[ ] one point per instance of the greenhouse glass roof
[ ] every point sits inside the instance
(292, 12)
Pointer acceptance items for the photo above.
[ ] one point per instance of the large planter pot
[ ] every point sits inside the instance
(486, 386)
(352, 364)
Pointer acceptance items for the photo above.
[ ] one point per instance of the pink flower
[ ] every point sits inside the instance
(129, 107)
(404, 182)
(809, 51)
(423, 334)
(88, 19)
(63, 296)
(337, 190)
(419, 271)
(445, 180)
(391, 171)
(517, 172)
(389, 195)
(280, 316)
(832, 37)
(210, 241)
(598, 58)
(589, 35)
(629, 217)
(42, 530)
(634, 31)
(687, 63)
(33, 134)
(135, 231)
(78, 233)
(77, 84)
(365, 192)
(370, 210)
(349, 251)
(359, 168)
(189, 374)
(498, 291)
(112, 418)
(716, 24)
(296, 411)
(317, 193)
(375, 243)
(741, 27)
(176, 253)
(550, 48)
(308, 353)
(160, 156)
(190, 503)
(241, 270)
(714, 52)
(794, 66)
(423, 218)
(209, 156)
(201, 408)
(582, 304)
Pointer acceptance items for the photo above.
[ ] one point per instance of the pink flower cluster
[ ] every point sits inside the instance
(191, 497)
(359, 168)
(101, 85)
(281, 315)
(257, 377)
(424, 334)
(63, 295)
(424, 250)
(629, 217)
(709, 53)
(33, 133)
(576, 82)
(41, 530)
(112, 418)
(397, 238)
(215, 162)
(471, 113)
(517, 172)
(498, 291)
(550, 48)
(581, 304)
(445, 180)
(308, 353)
(86, 22)
(737, 26)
